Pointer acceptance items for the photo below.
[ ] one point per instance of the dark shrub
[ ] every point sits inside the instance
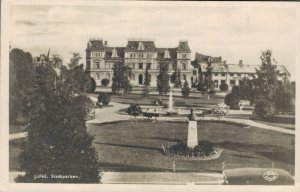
(223, 87)
(104, 98)
(158, 102)
(232, 100)
(264, 108)
(235, 90)
(105, 82)
(92, 86)
(134, 110)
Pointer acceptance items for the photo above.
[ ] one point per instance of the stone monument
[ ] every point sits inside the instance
(192, 140)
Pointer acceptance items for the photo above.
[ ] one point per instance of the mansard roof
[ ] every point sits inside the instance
(204, 58)
(183, 47)
(96, 45)
(132, 45)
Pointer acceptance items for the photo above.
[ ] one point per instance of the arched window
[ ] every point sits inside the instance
(108, 76)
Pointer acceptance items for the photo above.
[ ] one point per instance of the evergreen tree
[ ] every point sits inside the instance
(146, 82)
(266, 80)
(247, 90)
(200, 79)
(147, 77)
(185, 91)
(121, 78)
(74, 61)
(208, 82)
(163, 86)
(175, 78)
(177, 83)
(58, 143)
(21, 84)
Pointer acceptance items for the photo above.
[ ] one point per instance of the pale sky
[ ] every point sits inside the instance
(233, 32)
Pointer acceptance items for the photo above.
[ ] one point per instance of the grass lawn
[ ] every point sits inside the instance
(130, 146)
(178, 100)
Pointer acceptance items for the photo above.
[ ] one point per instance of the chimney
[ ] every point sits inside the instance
(105, 43)
(241, 62)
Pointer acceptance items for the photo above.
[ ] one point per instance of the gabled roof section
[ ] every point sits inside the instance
(148, 45)
(161, 53)
(282, 70)
(109, 50)
(183, 46)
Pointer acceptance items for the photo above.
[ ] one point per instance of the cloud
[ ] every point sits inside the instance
(231, 32)
(24, 22)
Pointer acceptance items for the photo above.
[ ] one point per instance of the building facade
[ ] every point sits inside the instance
(139, 55)
(231, 74)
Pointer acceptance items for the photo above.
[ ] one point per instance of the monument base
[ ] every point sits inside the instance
(192, 140)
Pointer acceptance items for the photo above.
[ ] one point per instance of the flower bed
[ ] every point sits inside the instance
(203, 151)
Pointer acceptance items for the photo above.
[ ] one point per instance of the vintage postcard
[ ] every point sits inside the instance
(136, 95)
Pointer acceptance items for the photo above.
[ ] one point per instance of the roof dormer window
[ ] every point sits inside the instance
(167, 54)
(141, 46)
(114, 53)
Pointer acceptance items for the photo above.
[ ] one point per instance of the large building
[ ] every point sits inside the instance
(231, 74)
(139, 55)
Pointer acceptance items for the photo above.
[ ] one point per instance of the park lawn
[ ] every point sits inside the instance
(178, 100)
(130, 146)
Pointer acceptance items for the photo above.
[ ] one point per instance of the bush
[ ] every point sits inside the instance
(134, 110)
(264, 108)
(105, 82)
(185, 90)
(223, 87)
(92, 86)
(235, 90)
(157, 102)
(232, 100)
(104, 98)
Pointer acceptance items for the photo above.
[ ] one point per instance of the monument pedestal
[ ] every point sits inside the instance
(192, 140)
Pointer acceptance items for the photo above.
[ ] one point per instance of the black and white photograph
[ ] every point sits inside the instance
(151, 93)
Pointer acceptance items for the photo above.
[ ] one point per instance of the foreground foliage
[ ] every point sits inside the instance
(59, 149)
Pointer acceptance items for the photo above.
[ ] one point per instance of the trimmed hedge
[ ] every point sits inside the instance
(104, 98)
(264, 108)
(223, 87)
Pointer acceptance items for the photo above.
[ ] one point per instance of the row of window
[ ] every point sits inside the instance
(222, 74)
(140, 55)
(106, 66)
(140, 65)
(231, 83)
(98, 54)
